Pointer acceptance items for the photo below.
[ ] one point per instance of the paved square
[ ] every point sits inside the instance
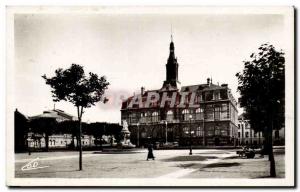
(133, 164)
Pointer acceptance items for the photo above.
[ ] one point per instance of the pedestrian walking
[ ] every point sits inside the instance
(150, 152)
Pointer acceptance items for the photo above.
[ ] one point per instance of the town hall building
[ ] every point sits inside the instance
(202, 114)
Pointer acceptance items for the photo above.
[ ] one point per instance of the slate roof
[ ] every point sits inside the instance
(204, 87)
(56, 114)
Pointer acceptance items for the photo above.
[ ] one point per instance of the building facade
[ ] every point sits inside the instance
(57, 140)
(247, 136)
(201, 114)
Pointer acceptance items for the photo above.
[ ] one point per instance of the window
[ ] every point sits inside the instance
(210, 132)
(239, 126)
(224, 132)
(277, 134)
(132, 118)
(217, 131)
(209, 112)
(239, 134)
(147, 117)
(217, 95)
(199, 113)
(209, 95)
(141, 117)
(199, 132)
(170, 115)
(186, 130)
(247, 125)
(225, 111)
(199, 98)
(155, 117)
(247, 134)
(185, 114)
(223, 94)
(217, 113)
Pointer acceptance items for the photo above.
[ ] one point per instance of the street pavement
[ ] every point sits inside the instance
(204, 163)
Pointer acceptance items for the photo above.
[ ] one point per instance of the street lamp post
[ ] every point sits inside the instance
(28, 146)
(138, 134)
(203, 128)
(29, 141)
(190, 118)
(166, 129)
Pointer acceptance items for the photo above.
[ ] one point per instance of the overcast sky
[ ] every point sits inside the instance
(131, 51)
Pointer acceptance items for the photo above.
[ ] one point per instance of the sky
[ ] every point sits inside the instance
(131, 51)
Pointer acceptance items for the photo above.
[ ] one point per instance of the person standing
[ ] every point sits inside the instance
(150, 152)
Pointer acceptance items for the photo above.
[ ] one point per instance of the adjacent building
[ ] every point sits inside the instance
(200, 114)
(247, 136)
(57, 140)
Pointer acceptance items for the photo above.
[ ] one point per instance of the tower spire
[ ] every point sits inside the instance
(171, 33)
(171, 66)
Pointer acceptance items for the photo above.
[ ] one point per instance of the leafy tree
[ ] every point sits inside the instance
(82, 91)
(69, 127)
(114, 130)
(261, 85)
(44, 126)
(96, 129)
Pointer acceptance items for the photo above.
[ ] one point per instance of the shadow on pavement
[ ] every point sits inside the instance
(213, 165)
(190, 158)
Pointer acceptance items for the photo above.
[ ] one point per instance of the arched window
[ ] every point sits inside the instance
(170, 115)
(155, 117)
(147, 117)
(185, 114)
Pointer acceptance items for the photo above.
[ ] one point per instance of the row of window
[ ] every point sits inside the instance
(199, 132)
(52, 142)
(210, 113)
(211, 95)
(242, 125)
(247, 134)
(259, 135)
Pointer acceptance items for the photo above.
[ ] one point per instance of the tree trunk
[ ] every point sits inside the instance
(79, 112)
(271, 157)
(266, 143)
(80, 146)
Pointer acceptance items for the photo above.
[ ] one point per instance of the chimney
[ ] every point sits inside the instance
(142, 90)
(224, 85)
(208, 81)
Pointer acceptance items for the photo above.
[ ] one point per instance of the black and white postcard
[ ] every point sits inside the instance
(150, 96)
